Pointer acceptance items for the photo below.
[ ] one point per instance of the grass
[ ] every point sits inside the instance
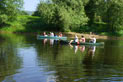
(119, 33)
(20, 25)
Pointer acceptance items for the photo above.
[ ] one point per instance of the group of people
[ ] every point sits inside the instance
(52, 34)
(83, 40)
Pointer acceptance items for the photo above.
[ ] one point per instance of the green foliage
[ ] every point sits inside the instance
(98, 16)
(108, 12)
(3, 18)
(62, 15)
(23, 23)
(115, 19)
(9, 10)
(36, 13)
(23, 13)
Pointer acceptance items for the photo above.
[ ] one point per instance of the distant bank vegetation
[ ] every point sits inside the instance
(99, 16)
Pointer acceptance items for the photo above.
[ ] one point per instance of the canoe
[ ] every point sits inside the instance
(80, 43)
(50, 37)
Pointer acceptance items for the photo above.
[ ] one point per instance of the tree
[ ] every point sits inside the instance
(9, 9)
(63, 15)
(114, 15)
(107, 12)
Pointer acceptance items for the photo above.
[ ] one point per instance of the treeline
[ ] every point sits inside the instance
(66, 15)
(81, 15)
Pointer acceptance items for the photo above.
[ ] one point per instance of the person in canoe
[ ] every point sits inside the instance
(51, 34)
(44, 34)
(55, 35)
(92, 39)
(75, 40)
(60, 34)
(82, 39)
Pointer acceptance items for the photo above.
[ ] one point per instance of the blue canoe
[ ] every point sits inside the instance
(50, 37)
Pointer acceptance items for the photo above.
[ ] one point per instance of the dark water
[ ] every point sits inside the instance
(23, 58)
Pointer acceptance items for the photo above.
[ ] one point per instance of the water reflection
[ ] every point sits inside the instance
(9, 61)
(91, 50)
(26, 59)
(89, 55)
(75, 47)
(50, 41)
(82, 48)
(44, 41)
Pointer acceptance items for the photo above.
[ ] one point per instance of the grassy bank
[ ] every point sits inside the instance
(23, 23)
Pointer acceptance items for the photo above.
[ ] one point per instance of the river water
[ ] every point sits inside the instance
(24, 58)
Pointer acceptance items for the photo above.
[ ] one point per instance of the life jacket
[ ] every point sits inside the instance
(77, 42)
(83, 39)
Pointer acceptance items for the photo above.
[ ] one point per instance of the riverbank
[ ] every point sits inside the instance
(31, 25)
(71, 34)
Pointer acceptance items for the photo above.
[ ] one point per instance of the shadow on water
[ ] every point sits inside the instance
(9, 61)
(89, 56)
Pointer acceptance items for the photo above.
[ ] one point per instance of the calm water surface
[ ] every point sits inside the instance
(24, 58)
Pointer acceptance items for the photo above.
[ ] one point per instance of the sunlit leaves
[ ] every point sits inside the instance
(63, 14)
(9, 8)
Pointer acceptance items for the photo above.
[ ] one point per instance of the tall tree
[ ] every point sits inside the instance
(106, 11)
(9, 9)
(114, 15)
(63, 14)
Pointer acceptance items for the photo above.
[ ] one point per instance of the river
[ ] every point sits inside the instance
(24, 58)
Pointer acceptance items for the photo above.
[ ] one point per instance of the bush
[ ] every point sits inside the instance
(3, 19)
